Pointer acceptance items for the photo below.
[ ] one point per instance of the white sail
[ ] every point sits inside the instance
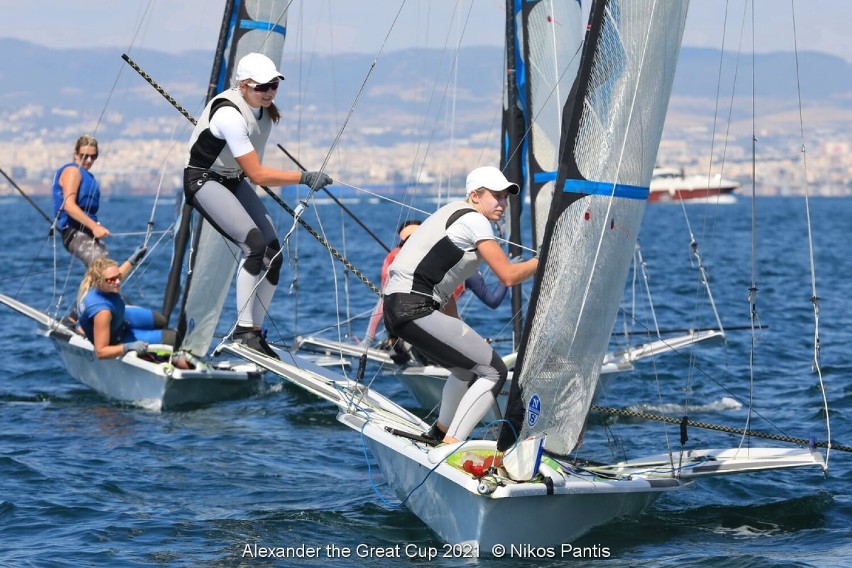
(610, 142)
(255, 26)
(552, 40)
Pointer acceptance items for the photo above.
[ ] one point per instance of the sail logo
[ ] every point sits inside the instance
(533, 410)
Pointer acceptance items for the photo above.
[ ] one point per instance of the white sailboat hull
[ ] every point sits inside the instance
(448, 499)
(131, 379)
(156, 386)
(551, 514)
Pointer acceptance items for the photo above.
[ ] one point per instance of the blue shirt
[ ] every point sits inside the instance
(96, 301)
(88, 198)
(491, 297)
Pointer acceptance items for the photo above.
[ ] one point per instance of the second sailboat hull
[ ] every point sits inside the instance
(156, 386)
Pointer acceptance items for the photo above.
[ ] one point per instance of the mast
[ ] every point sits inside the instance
(543, 43)
(215, 86)
(512, 154)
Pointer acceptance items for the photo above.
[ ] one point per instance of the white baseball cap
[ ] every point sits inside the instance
(257, 67)
(491, 179)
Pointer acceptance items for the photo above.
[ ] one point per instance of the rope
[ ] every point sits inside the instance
(719, 428)
(158, 88)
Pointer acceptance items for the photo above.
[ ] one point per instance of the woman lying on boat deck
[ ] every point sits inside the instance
(113, 327)
(76, 200)
(446, 249)
(226, 148)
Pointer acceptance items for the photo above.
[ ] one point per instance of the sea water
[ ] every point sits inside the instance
(275, 480)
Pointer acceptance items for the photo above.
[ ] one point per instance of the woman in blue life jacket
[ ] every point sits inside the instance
(113, 327)
(76, 201)
(441, 254)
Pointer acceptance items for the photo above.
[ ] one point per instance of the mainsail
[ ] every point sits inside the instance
(248, 26)
(611, 128)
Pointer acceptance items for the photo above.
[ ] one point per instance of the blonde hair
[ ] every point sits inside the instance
(470, 194)
(85, 140)
(94, 276)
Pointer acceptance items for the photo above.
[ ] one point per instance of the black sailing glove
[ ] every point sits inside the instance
(315, 180)
(137, 255)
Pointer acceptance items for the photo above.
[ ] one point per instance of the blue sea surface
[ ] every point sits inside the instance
(85, 481)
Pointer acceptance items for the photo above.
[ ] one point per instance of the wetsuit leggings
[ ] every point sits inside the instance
(83, 246)
(477, 372)
(242, 218)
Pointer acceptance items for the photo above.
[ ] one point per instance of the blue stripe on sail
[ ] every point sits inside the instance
(605, 188)
(544, 177)
(264, 26)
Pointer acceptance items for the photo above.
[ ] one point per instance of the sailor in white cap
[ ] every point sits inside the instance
(446, 249)
(225, 153)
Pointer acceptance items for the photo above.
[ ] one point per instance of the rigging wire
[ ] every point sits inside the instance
(814, 296)
(418, 165)
(29, 199)
(61, 290)
(693, 241)
(303, 202)
(752, 292)
(269, 192)
(709, 212)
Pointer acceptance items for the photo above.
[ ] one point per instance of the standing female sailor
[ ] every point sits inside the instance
(448, 248)
(225, 153)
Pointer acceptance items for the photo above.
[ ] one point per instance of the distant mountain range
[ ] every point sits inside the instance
(53, 93)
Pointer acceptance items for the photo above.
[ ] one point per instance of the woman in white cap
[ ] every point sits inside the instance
(445, 250)
(224, 152)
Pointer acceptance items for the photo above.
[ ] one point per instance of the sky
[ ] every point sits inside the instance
(366, 26)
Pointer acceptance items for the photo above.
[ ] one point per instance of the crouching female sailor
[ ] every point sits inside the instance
(113, 327)
(225, 149)
(446, 249)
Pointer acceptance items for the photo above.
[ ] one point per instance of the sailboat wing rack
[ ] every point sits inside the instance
(349, 396)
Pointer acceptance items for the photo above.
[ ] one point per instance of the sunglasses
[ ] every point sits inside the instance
(273, 86)
(113, 279)
(84, 157)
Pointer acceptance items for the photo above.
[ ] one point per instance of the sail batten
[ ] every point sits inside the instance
(611, 127)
